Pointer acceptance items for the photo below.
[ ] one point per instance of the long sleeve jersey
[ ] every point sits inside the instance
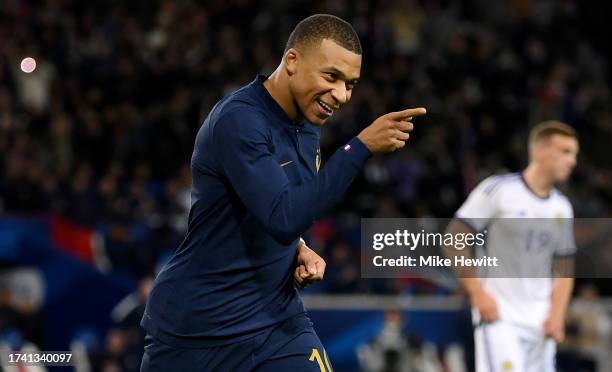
(256, 188)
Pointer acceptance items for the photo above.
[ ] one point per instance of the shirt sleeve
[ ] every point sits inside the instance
(567, 244)
(241, 140)
(481, 205)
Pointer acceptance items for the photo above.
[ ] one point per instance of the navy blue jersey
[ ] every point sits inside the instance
(256, 188)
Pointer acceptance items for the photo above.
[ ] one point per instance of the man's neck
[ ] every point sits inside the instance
(537, 182)
(278, 87)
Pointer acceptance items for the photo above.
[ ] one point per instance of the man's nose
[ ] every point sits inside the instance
(340, 94)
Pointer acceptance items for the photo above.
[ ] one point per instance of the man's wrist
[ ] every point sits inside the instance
(361, 146)
(556, 314)
(473, 287)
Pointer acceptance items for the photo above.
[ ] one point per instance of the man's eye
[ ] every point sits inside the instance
(331, 75)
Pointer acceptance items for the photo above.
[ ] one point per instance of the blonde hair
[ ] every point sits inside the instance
(547, 129)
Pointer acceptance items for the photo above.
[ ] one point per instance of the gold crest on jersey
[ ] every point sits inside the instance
(318, 160)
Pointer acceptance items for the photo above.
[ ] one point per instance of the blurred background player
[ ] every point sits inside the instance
(519, 311)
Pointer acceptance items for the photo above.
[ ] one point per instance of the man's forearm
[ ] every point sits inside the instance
(465, 274)
(472, 286)
(561, 292)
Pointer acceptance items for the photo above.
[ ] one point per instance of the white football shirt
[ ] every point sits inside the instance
(525, 232)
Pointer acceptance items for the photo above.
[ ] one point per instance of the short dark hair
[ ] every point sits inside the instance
(314, 29)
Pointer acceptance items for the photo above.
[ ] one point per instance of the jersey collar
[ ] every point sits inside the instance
(532, 191)
(271, 104)
(278, 111)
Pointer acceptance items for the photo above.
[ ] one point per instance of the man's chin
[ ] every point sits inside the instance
(316, 120)
(563, 177)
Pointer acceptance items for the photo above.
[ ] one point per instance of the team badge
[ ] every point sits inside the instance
(318, 160)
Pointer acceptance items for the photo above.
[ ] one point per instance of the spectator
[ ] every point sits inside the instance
(589, 328)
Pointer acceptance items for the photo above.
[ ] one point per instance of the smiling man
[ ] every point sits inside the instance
(227, 299)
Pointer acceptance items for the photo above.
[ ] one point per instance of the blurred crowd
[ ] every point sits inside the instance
(393, 350)
(102, 130)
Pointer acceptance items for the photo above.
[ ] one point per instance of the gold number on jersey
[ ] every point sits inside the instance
(327, 363)
(316, 356)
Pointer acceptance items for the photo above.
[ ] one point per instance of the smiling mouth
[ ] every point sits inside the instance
(325, 108)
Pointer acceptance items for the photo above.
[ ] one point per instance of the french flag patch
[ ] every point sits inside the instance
(348, 148)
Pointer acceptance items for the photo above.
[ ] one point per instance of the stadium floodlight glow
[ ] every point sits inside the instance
(28, 65)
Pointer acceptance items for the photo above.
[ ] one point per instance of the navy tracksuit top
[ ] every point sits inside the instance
(256, 188)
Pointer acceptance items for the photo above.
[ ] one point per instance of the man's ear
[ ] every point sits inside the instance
(291, 61)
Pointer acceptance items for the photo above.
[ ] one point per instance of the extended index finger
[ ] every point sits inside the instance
(408, 113)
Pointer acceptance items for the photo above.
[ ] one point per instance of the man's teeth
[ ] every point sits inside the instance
(325, 106)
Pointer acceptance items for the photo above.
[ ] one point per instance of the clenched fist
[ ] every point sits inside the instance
(310, 266)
